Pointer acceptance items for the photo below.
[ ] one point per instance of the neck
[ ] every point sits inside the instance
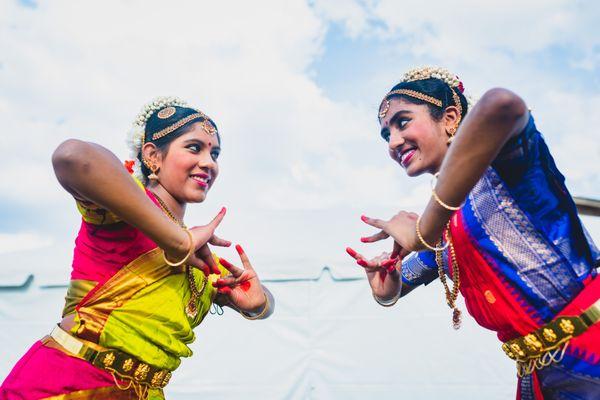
(174, 205)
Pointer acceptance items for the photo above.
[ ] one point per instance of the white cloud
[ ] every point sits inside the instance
(20, 242)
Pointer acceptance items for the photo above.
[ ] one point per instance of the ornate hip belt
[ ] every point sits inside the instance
(548, 343)
(123, 365)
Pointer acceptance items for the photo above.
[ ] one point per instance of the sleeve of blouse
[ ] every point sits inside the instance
(96, 215)
(519, 154)
(419, 268)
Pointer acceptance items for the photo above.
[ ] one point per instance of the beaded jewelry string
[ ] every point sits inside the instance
(451, 295)
(191, 309)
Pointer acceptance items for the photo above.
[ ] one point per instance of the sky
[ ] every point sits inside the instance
(294, 87)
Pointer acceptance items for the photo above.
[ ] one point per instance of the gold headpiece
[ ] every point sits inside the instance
(208, 127)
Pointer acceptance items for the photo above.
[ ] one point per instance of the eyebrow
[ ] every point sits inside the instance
(393, 120)
(188, 141)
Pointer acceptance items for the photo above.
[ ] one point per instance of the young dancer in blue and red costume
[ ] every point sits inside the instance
(500, 223)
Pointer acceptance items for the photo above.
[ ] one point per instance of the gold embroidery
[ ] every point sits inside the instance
(141, 372)
(532, 342)
(567, 326)
(167, 379)
(549, 335)
(127, 365)
(157, 378)
(108, 360)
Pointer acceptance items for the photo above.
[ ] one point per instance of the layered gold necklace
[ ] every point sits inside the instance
(191, 309)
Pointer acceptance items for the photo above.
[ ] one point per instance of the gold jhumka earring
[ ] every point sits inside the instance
(153, 168)
(452, 131)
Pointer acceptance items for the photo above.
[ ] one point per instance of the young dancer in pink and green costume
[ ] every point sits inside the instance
(141, 281)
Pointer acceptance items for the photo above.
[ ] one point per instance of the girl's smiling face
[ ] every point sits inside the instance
(189, 167)
(416, 141)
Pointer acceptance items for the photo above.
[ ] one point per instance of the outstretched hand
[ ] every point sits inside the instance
(383, 273)
(401, 227)
(241, 289)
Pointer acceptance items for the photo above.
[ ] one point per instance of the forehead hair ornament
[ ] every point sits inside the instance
(423, 73)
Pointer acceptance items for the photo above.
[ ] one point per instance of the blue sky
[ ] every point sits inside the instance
(294, 88)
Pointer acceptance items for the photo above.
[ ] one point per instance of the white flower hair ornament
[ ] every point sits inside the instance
(440, 73)
(135, 137)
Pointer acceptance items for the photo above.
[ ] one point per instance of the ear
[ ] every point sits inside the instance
(152, 154)
(451, 118)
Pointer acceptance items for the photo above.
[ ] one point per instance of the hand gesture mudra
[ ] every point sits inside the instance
(241, 289)
(383, 273)
(401, 227)
(201, 256)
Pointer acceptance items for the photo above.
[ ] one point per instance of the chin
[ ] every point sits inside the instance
(196, 197)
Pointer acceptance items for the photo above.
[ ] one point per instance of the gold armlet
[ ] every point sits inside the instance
(430, 247)
(261, 314)
(437, 198)
(188, 255)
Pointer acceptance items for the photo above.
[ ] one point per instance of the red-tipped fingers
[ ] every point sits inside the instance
(388, 262)
(205, 254)
(354, 254)
(235, 271)
(224, 290)
(362, 263)
(227, 281)
(243, 257)
(375, 238)
(377, 223)
(217, 241)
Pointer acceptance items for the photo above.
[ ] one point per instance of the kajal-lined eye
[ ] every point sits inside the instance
(401, 122)
(215, 154)
(195, 148)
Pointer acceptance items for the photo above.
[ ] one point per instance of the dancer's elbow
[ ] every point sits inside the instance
(502, 105)
(71, 155)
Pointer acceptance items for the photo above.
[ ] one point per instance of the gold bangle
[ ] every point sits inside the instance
(389, 303)
(437, 198)
(190, 251)
(260, 314)
(430, 247)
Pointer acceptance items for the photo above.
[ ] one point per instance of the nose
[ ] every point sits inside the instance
(396, 140)
(206, 162)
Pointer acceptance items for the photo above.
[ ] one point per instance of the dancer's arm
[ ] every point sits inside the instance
(496, 118)
(92, 173)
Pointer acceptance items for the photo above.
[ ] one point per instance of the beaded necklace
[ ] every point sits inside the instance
(191, 309)
(451, 295)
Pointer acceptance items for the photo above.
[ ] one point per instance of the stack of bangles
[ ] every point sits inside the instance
(188, 255)
(444, 205)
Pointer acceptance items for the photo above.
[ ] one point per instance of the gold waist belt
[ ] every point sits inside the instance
(549, 343)
(117, 362)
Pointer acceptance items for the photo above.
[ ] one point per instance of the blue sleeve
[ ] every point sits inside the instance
(419, 268)
(533, 179)
(519, 154)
